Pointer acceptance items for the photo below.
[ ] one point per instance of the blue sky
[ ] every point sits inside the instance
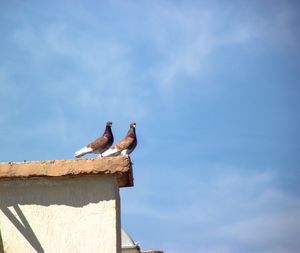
(213, 87)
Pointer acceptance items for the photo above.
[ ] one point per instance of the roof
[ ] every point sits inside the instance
(127, 241)
(121, 166)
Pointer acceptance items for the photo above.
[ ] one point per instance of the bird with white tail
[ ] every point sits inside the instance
(125, 146)
(99, 145)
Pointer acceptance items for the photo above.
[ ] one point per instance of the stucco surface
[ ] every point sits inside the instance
(64, 214)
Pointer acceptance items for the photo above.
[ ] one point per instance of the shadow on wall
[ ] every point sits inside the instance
(1, 243)
(23, 227)
(75, 192)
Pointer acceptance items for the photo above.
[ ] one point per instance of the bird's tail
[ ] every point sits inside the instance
(83, 151)
(111, 152)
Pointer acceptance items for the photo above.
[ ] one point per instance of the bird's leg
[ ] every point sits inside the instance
(100, 155)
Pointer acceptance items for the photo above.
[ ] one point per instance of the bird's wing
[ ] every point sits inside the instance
(98, 143)
(125, 143)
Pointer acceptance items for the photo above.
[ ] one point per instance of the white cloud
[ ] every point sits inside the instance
(184, 41)
(106, 78)
(188, 39)
(266, 233)
(237, 209)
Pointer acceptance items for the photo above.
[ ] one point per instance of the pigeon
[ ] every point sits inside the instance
(125, 146)
(99, 145)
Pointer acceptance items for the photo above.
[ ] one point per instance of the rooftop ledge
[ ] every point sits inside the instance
(121, 166)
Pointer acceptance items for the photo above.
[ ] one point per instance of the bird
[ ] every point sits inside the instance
(126, 145)
(99, 145)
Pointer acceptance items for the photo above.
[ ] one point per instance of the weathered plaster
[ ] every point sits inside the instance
(63, 214)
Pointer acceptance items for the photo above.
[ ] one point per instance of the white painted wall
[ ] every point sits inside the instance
(79, 214)
(128, 245)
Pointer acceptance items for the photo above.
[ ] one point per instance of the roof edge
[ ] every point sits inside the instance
(121, 166)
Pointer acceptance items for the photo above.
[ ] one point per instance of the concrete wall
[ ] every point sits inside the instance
(130, 250)
(63, 214)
